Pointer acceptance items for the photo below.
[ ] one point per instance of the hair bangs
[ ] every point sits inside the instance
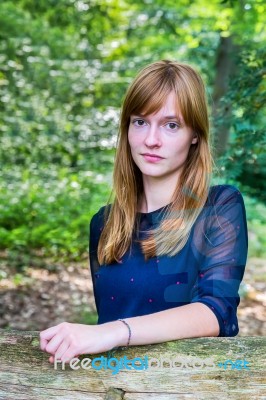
(151, 94)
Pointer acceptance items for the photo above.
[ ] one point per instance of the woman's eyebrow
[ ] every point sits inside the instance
(172, 117)
(178, 117)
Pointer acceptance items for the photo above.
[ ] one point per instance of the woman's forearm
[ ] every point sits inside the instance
(67, 340)
(191, 320)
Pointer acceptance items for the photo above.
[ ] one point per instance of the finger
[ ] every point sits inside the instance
(54, 343)
(62, 349)
(43, 344)
(50, 332)
(52, 358)
(46, 335)
(68, 355)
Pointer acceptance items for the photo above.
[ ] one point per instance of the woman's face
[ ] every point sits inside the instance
(162, 134)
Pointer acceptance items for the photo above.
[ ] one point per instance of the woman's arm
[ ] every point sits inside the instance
(191, 320)
(66, 341)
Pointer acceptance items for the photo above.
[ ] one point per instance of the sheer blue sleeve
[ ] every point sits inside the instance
(220, 244)
(95, 231)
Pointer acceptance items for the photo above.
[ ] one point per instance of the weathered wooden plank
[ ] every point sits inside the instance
(23, 365)
(189, 396)
(19, 392)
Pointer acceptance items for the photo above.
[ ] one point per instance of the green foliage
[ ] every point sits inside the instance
(50, 211)
(86, 317)
(245, 159)
(256, 212)
(64, 68)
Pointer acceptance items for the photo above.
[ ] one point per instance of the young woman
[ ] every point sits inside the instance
(168, 255)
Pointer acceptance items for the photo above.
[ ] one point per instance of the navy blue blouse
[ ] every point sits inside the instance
(207, 270)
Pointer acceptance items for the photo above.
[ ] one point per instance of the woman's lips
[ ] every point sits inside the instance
(152, 158)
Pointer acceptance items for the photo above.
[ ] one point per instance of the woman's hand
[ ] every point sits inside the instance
(66, 340)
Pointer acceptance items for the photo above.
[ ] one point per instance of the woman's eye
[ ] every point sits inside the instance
(138, 122)
(172, 126)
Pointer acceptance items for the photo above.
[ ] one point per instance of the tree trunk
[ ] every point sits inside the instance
(225, 69)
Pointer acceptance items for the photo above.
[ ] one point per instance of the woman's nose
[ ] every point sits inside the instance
(153, 136)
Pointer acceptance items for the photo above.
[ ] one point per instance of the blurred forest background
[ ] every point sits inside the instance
(64, 69)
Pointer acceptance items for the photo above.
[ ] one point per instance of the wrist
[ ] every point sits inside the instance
(120, 332)
(128, 328)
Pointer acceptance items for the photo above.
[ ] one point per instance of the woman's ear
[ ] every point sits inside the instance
(195, 139)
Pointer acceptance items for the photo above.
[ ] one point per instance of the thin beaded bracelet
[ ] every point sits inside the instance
(129, 330)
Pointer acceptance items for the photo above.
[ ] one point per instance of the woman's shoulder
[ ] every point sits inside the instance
(98, 217)
(220, 194)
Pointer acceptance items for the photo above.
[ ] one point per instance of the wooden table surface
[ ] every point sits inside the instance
(202, 368)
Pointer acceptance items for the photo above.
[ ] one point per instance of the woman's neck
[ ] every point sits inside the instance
(157, 193)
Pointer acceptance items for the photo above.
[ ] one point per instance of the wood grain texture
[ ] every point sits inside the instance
(25, 372)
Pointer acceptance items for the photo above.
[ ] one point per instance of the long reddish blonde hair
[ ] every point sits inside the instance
(148, 93)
